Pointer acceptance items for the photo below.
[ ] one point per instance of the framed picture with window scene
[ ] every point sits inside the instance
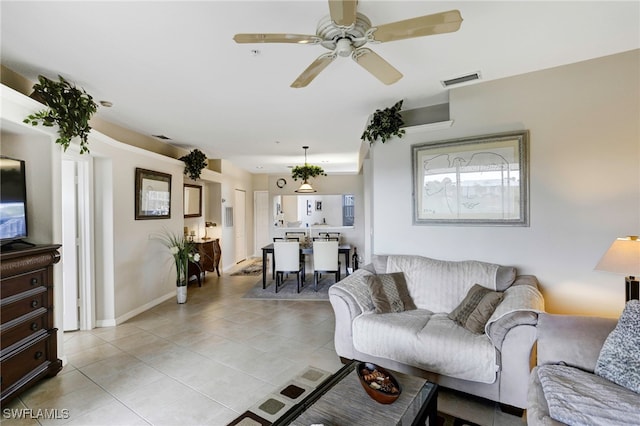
(480, 180)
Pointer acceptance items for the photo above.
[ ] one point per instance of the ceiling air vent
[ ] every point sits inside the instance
(462, 79)
(163, 137)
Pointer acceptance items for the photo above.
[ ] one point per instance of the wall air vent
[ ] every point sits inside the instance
(462, 79)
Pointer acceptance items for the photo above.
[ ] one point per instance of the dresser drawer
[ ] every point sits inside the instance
(17, 307)
(27, 326)
(20, 363)
(18, 284)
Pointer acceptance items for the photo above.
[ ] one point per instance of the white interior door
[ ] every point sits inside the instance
(262, 219)
(69, 252)
(239, 223)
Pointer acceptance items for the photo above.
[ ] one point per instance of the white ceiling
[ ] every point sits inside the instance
(172, 68)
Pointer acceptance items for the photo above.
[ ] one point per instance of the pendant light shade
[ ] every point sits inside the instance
(305, 188)
(304, 173)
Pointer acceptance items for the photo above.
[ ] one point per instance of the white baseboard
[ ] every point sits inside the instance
(105, 323)
(137, 311)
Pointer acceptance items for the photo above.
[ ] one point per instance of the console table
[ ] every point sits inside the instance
(28, 342)
(210, 252)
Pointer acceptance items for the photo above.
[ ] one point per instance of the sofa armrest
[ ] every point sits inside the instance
(572, 340)
(349, 299)
(520, 305)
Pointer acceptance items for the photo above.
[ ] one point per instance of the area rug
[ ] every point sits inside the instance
(289, 290)
(252, 269)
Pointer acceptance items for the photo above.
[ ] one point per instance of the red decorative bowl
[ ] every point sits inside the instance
(378, 383)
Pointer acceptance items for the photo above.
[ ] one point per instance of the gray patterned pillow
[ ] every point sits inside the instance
(619, 359)
(476, 308)
(389, 293)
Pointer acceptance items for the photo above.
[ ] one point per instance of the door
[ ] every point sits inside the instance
(261, 219)
(77, 242)
(69, 252)
(240, 200)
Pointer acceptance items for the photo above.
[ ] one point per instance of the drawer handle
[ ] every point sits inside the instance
(34, 281)
(34, 303)
(38, 355)
(34, 326)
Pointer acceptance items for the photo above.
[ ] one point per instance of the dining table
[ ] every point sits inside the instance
(306, 250)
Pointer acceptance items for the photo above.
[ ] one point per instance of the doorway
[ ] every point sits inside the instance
(261, 219)
(76, 253)
(240, 201)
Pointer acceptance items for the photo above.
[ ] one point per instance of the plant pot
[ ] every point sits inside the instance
(181, 293)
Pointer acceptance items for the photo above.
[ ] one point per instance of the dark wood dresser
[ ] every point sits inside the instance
(210, 252)
(28, 341)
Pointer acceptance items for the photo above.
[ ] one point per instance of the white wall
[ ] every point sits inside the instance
(133, 270)
(584, 180)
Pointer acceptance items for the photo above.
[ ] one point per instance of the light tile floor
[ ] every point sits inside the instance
(201, 363)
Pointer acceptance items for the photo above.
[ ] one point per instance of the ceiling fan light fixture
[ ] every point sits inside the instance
(344, 47)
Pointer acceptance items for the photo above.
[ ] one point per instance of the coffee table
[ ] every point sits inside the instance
(341, 400)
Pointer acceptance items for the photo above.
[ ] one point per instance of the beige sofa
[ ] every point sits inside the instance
(426, 342)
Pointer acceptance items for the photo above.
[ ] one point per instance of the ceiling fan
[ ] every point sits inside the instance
(345, 31)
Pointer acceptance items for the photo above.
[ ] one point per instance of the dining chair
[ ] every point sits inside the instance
(287, 259)
(330, 235)
(325, 259)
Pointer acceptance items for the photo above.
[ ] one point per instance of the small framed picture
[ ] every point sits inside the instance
(318, 205)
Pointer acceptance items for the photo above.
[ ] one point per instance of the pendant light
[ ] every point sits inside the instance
(305, 172)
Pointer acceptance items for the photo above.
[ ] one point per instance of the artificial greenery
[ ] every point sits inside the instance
(307, 171)
(68, 107)
(194, 162)
(384, 124)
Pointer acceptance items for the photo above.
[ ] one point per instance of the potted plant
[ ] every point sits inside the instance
(194, 162)
(307, 171)
(67, 106)
(384, 124)
(183, 252)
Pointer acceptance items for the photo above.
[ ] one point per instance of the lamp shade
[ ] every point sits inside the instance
(623, 257)
(305, 188)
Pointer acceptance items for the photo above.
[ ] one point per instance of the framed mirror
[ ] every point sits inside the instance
(153, 195)
(192, 200)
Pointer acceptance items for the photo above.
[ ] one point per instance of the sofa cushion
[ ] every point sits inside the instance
(432, 342)
(440, 285)
(389, 293)
(619, 359)
(476, 308)
(578, 397)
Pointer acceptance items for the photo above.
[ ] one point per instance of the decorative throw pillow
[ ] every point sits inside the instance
(619, 359)
(476, 308)
(389, 293)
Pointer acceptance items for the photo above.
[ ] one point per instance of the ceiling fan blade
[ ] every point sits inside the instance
(313, 70)
(439, 23)
(277, 38)
(377, 66)
(343, 12)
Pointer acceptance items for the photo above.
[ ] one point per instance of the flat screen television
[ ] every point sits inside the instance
(13, 200)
